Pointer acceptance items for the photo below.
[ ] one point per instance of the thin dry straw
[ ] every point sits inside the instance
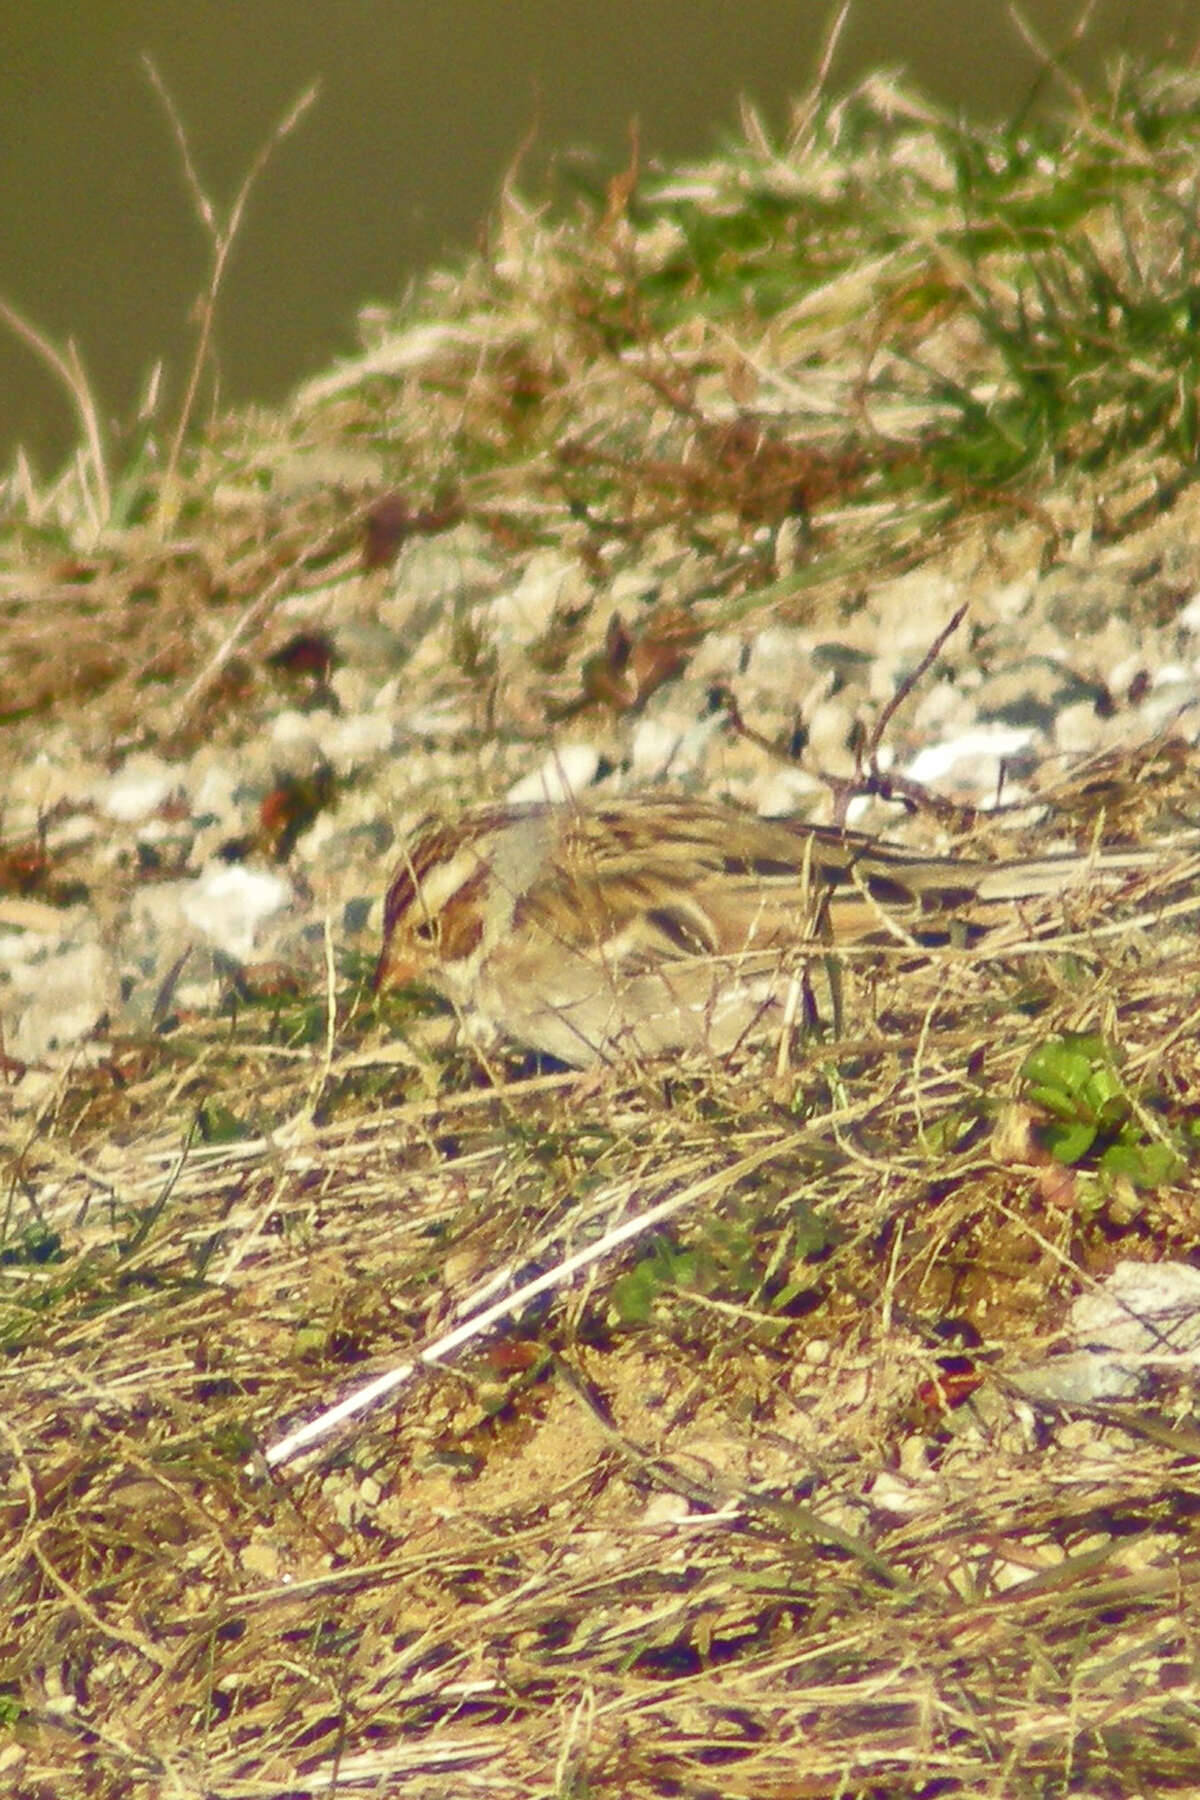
(367, 1396)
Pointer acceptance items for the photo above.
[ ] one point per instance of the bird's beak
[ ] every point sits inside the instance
(392, 971)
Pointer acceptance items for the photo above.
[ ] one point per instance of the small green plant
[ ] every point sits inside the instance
(732, 1262)
(33, 1248)
(217, 1123)
(1091, 1114)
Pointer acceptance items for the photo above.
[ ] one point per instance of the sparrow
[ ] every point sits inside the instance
(644, 926)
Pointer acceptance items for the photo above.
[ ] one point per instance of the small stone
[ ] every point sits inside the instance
(974, 756)
(229, 903)
(550, 584)
(65, 992)
(570, 770)
(138, 789)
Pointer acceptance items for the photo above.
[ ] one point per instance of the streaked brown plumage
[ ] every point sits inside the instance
(654, 924)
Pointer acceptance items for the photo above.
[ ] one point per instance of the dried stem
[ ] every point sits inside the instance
(67, 368)
(222, 234)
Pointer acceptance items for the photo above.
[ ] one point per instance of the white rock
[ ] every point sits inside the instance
(228, 903)
(71, 832)
(567, 771)
(780, 653)
(787, 791)
(670, 747)
(1165, 704)
(1170, 672)
(439, 720)
(663, 1511)
(1010, 601)
(718, 657)
(53, 781)
(297, 736)
(653, 749)
(1077, 728)
(1078, 1378)
(982, 747)
(1142, 1314)
(68, 991)
(1143, 1306)
(893, 1494)
(137, 789)
(629, 587)
(939, 711)
(859, 810)
(525, 612)
(349, 742)
(215, 792)
(829, 726)
(912, 608)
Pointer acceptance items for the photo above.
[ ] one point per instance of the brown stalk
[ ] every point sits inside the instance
(221, 232)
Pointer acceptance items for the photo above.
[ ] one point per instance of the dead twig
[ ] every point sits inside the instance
(222, 234)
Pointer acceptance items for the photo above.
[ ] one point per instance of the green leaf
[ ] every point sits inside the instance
(1146, 1165)
(1067, 1142)
(218, 1124)
(1073, 1078)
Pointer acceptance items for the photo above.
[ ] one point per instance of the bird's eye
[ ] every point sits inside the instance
(426, 931)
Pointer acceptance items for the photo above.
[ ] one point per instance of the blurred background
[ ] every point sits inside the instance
(423, 106)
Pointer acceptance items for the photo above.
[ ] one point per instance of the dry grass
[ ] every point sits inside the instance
(752, 1508)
